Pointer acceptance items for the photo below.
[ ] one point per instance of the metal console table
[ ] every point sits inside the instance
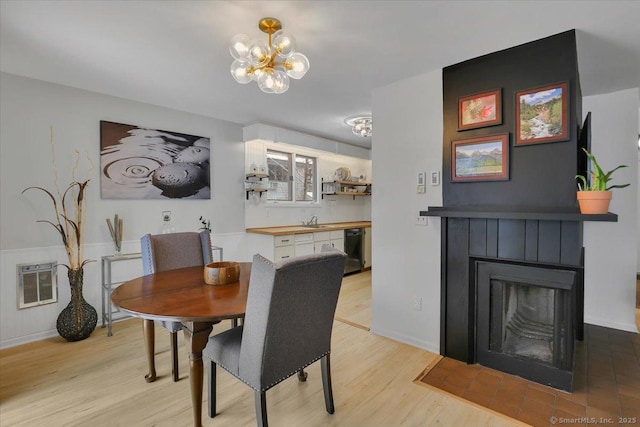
(108, 286)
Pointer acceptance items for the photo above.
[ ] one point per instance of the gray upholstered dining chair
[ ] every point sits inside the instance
(163, 252)
(287, 326)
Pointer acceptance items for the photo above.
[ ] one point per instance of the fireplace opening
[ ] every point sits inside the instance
(524, 321)
(528, 323)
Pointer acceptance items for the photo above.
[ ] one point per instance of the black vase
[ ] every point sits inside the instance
(79, 318)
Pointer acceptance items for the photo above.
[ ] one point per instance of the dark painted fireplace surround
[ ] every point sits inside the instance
(512, 256)
(512, 291)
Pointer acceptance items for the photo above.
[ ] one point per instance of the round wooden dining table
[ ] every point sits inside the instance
(182, 295)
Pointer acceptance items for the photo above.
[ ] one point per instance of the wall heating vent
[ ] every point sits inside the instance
(37, 284)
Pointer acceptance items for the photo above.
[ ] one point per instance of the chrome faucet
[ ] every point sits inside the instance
(312, 221)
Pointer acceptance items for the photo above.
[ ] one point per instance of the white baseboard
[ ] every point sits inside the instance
(405, 339)
(629, 327)
(12, 342)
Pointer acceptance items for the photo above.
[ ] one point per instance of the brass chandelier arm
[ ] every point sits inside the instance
(269, 26)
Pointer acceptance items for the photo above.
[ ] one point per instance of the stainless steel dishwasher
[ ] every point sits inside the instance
(354, 248)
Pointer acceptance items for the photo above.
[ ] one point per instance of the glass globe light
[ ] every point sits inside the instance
(297, 65)
(281, 81)
(283, 44)
(360, 125)
(239, 46)
(240, 71)
(266, 81)
(363, 127)
(256, 74)
(259, 53)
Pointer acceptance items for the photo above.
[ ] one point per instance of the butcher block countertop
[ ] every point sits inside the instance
(300, 229)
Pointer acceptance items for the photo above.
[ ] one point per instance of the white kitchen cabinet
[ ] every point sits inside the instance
(334, 238)
(304, 244)
(286, 240)
(283, 252)
(277, 248)
(283, 247)
(274, 248)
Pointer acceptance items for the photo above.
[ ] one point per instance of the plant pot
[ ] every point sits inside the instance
(79, 318)
(594, 202)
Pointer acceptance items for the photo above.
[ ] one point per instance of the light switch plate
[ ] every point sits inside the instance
(435, 178)
(422, 220)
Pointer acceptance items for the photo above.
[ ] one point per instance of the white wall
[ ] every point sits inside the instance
(611, 249)
(27, 109)
(406, 257)
(408, 139)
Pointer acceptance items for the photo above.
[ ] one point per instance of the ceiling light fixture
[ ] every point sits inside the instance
(270, 63)
(361, 125)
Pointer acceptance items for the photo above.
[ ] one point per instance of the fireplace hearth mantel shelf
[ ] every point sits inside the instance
(515, 213)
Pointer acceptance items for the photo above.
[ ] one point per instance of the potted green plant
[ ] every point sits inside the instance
(594, 191)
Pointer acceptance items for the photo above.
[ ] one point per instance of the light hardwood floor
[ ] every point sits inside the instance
(354, 302)
(100, 382)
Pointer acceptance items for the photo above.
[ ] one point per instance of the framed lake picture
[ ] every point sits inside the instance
(542, 114)
(485, 158)
(480, 110)
(142, 163)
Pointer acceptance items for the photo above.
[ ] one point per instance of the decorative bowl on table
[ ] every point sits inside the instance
(221, 273)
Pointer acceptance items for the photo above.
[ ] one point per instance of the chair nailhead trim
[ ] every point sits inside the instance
(275, 382)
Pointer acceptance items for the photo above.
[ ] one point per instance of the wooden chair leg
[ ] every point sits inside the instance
(174, 356)
(211, 389)
(261, 408)
(326, 384)
(148, 328)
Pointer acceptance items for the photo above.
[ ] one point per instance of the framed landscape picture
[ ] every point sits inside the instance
(485, 158)
(142, 163)
(480, 110)
(542, 114)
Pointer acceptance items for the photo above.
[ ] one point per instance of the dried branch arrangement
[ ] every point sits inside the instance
(68, 210)
(115, 228)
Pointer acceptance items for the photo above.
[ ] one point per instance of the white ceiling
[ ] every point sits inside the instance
(175, 53)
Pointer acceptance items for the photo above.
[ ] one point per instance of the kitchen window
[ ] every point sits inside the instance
(292, 177)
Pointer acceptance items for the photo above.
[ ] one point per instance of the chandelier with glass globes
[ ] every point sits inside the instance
(360, 125)
(270, 64)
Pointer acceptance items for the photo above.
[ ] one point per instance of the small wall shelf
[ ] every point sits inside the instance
(255, 177)
(340, 188)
